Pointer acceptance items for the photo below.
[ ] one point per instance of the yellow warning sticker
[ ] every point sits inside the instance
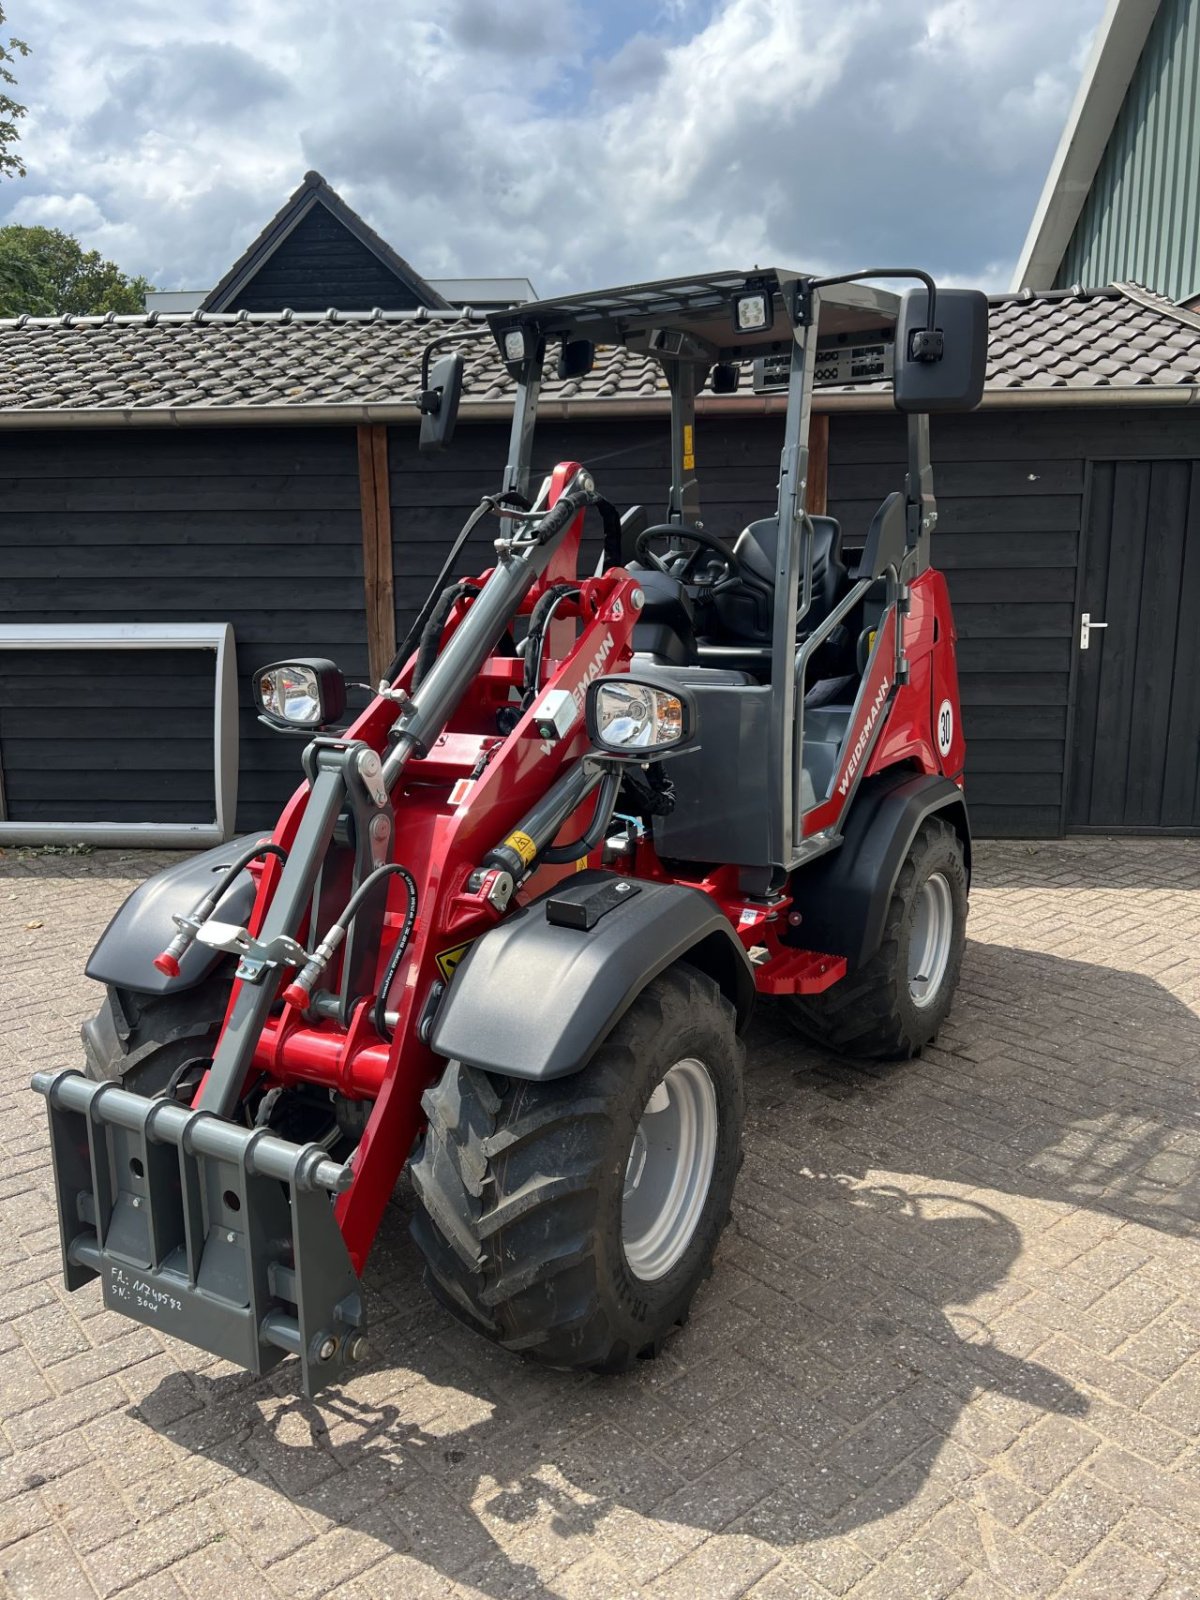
(523, 845)
(689, 447)
(449, 959)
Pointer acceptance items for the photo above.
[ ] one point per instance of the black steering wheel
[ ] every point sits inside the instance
(695, 536)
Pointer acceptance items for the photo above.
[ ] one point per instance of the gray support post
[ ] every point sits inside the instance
(684, 502)
(794, 558)
(292, 897)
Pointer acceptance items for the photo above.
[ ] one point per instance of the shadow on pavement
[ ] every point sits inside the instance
(852, 1318)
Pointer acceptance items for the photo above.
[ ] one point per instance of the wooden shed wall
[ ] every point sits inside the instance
(1012, 488)
(262, 527)
(257, 527)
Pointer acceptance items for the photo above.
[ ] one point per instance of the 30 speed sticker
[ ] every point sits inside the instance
(945, 727)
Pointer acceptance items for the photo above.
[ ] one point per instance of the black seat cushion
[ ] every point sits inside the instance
(757, 550)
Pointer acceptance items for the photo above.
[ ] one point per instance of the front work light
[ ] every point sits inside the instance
(626, 717)
(514, 345)
(752, 313)
(300, 694)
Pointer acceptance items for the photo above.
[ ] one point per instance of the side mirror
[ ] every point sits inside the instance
(304, 694)
(941, 369)
(577, 359)
(725, 376)
(638, 719)
(439, 402)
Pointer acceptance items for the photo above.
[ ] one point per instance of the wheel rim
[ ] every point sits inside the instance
(931, 939)
(669, 1170)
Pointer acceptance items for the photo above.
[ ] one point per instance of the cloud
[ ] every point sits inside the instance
(576, 143)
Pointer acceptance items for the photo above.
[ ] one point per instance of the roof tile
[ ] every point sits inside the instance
(1119, 337)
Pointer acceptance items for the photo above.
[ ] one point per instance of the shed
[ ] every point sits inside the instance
(260, 470)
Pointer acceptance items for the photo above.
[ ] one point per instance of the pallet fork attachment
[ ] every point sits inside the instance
(219, 1235)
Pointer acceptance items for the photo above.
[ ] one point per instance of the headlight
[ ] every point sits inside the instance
(300, 694)
(628, 717)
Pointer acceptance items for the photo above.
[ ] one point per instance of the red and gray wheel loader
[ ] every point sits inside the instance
(509, 929)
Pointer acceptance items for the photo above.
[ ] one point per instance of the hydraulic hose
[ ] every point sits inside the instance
(431, 635)
(539, 622)
(409, 644)
(379, 1014)
(299, 991)
(606, 800)
(167, 961)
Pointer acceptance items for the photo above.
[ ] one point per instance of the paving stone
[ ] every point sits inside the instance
(721, 1569)
(1115, 1570)
(43, 1565)
(952, 1345)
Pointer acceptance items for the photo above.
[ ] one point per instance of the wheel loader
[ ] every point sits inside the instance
(509, 930)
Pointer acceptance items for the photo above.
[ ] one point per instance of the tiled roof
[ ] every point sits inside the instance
(1119, 338)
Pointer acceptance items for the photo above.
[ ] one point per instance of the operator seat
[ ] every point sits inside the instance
(757, 550)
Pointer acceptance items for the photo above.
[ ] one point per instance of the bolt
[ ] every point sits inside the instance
(358, 1349)
(136, 1201)
(637, 599)
(231, 1237)
(327, 1350)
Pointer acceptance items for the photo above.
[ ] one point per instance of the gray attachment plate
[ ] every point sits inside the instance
(219, 1235)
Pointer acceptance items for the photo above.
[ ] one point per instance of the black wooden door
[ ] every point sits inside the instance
(1136, 746)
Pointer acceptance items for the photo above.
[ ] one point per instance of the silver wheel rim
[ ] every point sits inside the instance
(931, 939)
(669, 1169)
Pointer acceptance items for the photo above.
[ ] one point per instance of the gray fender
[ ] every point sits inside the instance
(535, 1000)
(843, 897)
(142, 927)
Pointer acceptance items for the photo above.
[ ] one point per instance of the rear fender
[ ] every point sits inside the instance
(142, 927)
(535, 999)
(843, 897)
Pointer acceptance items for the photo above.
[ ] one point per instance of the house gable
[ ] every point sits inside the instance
(317, 253)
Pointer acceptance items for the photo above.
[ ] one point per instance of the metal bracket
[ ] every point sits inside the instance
(257, 956)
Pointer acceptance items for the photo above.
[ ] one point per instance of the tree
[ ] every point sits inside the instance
(11, 165)
(45, 272)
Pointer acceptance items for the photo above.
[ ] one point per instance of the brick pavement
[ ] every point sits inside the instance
(951, 1347)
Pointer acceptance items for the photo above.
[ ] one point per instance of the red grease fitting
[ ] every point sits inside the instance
(167, 964)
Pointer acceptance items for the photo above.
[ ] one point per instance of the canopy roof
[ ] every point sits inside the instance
(701, 307)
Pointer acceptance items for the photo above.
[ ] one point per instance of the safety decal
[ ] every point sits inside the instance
(447, 960)
(461, 790)
(523, 845)
(945, 727)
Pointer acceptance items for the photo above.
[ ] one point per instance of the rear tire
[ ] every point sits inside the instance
(148, 1043)
(890, 1008)
(535, 1197)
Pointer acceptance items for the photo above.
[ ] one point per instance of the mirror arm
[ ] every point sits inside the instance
(440, 343)
(916, 273)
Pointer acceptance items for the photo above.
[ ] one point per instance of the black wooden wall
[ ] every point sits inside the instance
(1012, 490)
(253, 526)
(261, 527)
(322, 264)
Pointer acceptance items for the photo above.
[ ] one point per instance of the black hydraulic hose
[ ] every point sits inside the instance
(409, 643)
(431, 636)
(300, 989)
(167, 961)
(606, 800)
(379, 1013)
(539, 622)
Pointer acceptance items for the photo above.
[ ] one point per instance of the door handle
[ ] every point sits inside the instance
(1085, 628)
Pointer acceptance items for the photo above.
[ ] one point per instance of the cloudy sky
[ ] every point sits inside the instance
(577, 142)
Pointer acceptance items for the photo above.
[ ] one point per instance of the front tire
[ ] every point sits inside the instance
(574, 1220)
(894, 1004)
(151, 1043)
